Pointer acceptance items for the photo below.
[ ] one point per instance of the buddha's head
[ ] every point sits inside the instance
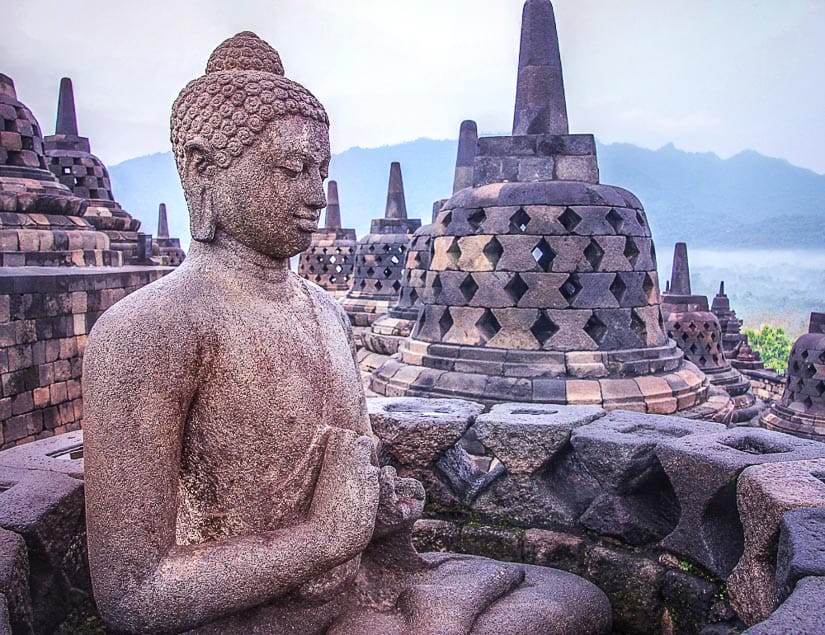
(252, 150)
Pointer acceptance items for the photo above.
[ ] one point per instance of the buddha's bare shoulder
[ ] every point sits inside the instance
(171, 310)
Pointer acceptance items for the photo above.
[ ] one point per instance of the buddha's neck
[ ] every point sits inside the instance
(225, 252)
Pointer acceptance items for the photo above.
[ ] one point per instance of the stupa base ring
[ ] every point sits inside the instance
(783, 419)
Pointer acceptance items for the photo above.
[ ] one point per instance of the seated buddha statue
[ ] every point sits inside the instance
(232, 484)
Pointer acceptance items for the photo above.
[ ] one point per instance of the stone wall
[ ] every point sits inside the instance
(766, 384)
(677, 520)
(45, 316)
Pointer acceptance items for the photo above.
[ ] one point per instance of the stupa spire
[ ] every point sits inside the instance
(332, 220)
(66, 115)
(467, 150)
(163, 222)
(540, 104)
(396, 203)
(680, 275)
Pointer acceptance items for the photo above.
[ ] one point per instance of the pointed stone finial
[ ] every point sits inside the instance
(467, 150)
(66, 116)
(722, 288)
(667, 287)
(332, 220)
(163, 222)
(396, 203)
(540, 103)
(680, 276)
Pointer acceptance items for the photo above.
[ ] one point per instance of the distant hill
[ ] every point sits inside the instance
(747, 201)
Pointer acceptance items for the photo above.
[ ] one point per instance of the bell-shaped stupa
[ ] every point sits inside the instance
(734, 341)
(166, 250)
(697, 331)
(380, 258)
(41, 220)
(329, 260)
(388, 330)
(801, 411)
(542, 285)
(71, 161)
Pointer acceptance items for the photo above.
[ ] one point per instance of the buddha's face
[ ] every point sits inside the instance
(271, 197)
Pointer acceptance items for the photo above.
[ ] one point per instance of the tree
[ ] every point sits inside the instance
(773, 345)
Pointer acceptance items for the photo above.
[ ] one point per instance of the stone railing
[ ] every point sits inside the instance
(766, 384)
(686, 525)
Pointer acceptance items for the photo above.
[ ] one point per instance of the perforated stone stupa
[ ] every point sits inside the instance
(734, 342)
(698, 333)
(542, 285)
(71, 161)
(388, 330)
(330, 259)
(380, 258)
(165, 249)
(801, 411)
(40, 222)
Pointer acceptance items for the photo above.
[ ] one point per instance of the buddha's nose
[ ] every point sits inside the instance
(315, 195)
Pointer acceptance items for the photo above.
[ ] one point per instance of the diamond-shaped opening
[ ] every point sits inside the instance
(436, 287)
(685, 337)
(638, 325)
(820, 389)
(715, 359)
(492, 251)
(454, 252)
(447, 219)
(808, 402)
(618, 288)
(543, 329)
(703, 360)
(387, 248)
(445, 323)
(468, 288)
(571, 288)
(616, 221)
(417, 259)
(387, 272)
(395, 260)
(569, 219)
(378, 260)
(413, 296)
(396, 286)
(640, 219)
(596, 329)
(649, 288)
(631, 251)
(370, 272)
(363, 284)
(338, 268)
(487, 325)
(332, 279)
(333, 260)
(378, 285)
(372, 247)
(594, 254)
(476, 218)
(692, 326)
(543, 255)
(516, 288)
(693, 349)
(317, 278)
(519, 221)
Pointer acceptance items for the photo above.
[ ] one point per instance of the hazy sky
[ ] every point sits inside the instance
(708, 75)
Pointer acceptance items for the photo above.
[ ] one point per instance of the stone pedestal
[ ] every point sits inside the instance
(166, 250)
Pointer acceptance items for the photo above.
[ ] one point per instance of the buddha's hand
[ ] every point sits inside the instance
(346, 495)
(400, 504)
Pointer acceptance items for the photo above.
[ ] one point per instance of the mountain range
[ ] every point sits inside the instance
(746, 201)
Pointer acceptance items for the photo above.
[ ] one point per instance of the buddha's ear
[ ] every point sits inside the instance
(198, 169)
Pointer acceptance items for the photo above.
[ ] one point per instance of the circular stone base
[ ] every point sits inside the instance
(783, 419)
(363, 311)
(660, 393)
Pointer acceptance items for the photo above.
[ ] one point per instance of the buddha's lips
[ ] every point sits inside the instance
(307, 222)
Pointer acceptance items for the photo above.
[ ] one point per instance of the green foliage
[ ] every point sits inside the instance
(773, 345)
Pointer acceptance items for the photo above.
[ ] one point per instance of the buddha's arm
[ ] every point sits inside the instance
(137, 389)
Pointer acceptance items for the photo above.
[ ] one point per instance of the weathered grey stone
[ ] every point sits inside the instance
(493, 542)
(764, 494)
(418, 431)
(525, 437)
(46, 509)
(800, 614)
(801, 550)
(14, 582)
(553, 549)
(637, 502)
(62, 453)
(436, 535)
(703, 469)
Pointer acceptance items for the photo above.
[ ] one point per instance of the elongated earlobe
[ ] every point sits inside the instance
(203, 215)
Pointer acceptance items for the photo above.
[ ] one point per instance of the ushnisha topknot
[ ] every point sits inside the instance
(243, 89)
